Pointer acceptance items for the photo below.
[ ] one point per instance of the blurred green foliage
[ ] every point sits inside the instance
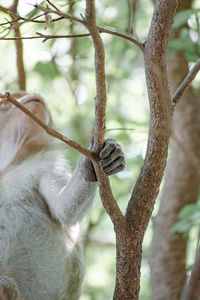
(62, 71)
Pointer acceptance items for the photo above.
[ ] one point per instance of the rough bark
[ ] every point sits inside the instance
(168, 250)
(129, 240)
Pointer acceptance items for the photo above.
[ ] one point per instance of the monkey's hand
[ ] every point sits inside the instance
(112, 160)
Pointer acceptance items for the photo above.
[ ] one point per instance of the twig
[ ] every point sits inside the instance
(4, 9)
(124, 36)
(101, 29)
(60, 13)
(107, 197)
(45, 37)
(186, 83)
(53, 5)
(19, 48)
(50, 131)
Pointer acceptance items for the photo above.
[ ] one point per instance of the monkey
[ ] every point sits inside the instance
(41, 206)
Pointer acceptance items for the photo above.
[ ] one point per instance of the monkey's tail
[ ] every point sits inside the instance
(9, 289)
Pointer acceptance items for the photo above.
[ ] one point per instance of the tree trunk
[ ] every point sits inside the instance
(168, 250)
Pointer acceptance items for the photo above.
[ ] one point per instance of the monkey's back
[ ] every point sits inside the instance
(35, 250)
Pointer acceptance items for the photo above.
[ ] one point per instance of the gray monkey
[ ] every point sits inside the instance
(41, 205)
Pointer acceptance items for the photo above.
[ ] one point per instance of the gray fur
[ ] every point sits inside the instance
(41, 205)
(40, 247)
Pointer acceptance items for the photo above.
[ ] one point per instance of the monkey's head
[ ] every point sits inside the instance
(20, 136)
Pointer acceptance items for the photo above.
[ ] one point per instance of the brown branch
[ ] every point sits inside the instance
(101, 97)
(53, 5)
(146, 189)
(19, 48)
(13, 8)
(50, 131)
(124, 36)
(66, 16)
(60, 13)
(12, 11)
(191, 290)
(186, 83)
(107, 197)
(45, 37)
(4, 9)
(101, 29)
(141, 202)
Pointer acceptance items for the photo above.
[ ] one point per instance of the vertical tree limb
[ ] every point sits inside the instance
(147, 186)
(100, 109)
(181, 184)
(19, 47)
(101, 97)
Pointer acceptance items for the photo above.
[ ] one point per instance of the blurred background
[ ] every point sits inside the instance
(62, 71)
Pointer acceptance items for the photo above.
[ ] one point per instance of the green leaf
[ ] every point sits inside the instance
(181, 227)
(49, 70)
(181, 17)
(187, 211)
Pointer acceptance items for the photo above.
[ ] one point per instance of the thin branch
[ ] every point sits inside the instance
(5, 10)
(72, 18)
(186, 83)
(19, 47)
(124, 36)
(45, 37)
(53, 5)
(100, 109)
(101, 29)
(101, 97)
(14, 6)
(60, 13)
(50, 131)
(12, 11)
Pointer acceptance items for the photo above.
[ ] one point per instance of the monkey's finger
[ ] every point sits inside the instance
(117, 170)
(114, 165)
(109, 146)
(113, 156)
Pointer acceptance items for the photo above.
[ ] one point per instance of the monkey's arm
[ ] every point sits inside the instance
(69, 202)
(68, 199)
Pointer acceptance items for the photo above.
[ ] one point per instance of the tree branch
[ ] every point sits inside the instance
(101, 29)
(66, 16)
(45, 37)
(124, 36)
(4, 9)
(12, 11)
(19, 47)
(8, 97)
(100, 109)
(186, 83)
